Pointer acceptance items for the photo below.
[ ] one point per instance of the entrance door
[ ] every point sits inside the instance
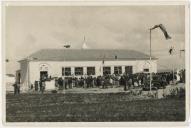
(43, 75)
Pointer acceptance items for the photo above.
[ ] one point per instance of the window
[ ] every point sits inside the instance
(66, 71)
(128, 69)
(43, 67)
(146, 70)
(78, 71)
(90, 70)
(106, 70)
(118, 70)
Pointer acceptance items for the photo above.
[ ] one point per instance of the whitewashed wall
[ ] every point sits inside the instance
(55, 67)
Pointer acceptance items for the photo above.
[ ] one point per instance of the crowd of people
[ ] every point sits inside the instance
(105, 81)
(40, 85)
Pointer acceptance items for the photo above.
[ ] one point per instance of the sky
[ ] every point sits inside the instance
(31, 28)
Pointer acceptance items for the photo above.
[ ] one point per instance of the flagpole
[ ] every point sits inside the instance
(166, 36)
(28, 73)
(150, 63)
(173, 74)
(172, 71)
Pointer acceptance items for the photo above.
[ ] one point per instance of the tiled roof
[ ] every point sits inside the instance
(87, 55)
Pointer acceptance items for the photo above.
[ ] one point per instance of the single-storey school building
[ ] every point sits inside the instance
(82, 62)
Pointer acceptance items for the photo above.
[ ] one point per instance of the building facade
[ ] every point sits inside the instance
(83, 62)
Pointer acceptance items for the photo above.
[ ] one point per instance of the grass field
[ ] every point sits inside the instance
(91, 107)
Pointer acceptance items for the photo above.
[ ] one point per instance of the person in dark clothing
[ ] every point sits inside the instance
(43, 86)
(132, 79)
(168, 78)
(56, 82)
(91, 81)
(171, 77)
(123, 82)
(60, 83)
(98, 81)
(128, 81)
(183, 76)
(76, 80)
(88, 81)
(36, 85)
(70, 82)
(40, 84)
(103, 81)
(31, 86)
(15, 88)
(81, 82)
(18, 88)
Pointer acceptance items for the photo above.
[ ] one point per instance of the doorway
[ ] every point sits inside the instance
(43, 75)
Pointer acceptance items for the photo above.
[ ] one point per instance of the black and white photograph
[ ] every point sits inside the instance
(95, 63)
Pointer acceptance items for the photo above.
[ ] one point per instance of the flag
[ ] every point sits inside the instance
(182, 50)
(67, 46)
(163, 29)
(171, 50)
